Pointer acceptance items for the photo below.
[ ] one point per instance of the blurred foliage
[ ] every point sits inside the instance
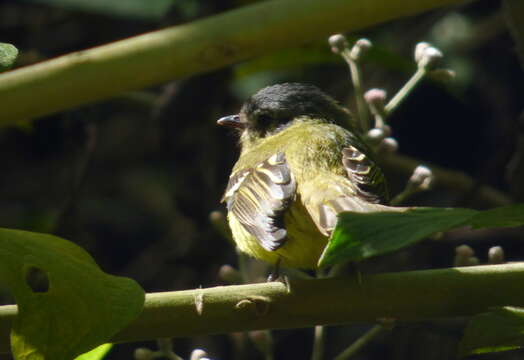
(134, 180)
(8, 55)
(67, 305)
(150, 10)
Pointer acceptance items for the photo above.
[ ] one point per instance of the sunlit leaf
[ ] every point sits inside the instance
(66, 304)
(359, 236)
(97, 353)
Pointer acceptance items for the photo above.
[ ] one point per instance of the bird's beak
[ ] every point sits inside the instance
(231, 121)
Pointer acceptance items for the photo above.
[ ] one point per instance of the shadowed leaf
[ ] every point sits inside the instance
(498, 330)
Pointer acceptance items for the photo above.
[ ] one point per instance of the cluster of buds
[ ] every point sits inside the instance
(465, 256)
(373, 102)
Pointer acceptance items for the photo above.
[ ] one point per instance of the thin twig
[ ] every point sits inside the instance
(362, 108)
(361, 342)
(318, 343)
(403, 93)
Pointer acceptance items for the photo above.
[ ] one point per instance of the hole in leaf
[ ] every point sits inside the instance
(37, 279)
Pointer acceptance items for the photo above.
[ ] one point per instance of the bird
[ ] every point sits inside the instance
(298, 168)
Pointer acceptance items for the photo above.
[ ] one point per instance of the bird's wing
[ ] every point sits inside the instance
(365, 174)
(363, 192)
(258, 198)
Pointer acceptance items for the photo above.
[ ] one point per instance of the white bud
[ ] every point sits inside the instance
(375, 97)
(389, 145)
(496, 255)
(338, 43)
(464, 256)
(198, 354)
(430, 57)
(375, 135)
(422, 177)
(229, 274)
(419, 50)
(360, 48)
(464, 251)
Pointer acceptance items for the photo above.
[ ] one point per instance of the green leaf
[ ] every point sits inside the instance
(66, 304)
(359, 236)
(8, 55)
(507, 216)
(498, 330)
(97, 353)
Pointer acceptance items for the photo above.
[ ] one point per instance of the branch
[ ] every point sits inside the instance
(160, 56)
(453, 181)
(406, 296)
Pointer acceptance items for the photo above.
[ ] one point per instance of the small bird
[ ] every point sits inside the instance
(297, 170)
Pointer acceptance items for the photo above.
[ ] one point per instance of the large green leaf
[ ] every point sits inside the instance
(8, 55)
(66, 304)
(359, 236)
(498, 330)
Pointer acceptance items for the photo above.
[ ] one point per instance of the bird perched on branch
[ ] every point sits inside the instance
(297, 170)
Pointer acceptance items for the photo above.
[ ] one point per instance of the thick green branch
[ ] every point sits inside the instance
(102, 72)
(406, 296)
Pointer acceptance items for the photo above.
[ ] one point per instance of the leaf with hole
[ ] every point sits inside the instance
(66, 304)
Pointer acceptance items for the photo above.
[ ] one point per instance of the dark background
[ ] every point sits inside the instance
(134, 179)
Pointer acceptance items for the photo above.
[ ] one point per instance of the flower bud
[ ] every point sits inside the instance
(419, 50)
(422, 177)
(376, 100)
(338, 43)
(389, 145)
(375, 97)
(360, 48)
(464, 256)
(430, 57)
(496, 255)
(229, 274)
(198, 354)
(375, 135)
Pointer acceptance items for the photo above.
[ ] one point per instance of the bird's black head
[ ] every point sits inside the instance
(273, 108)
